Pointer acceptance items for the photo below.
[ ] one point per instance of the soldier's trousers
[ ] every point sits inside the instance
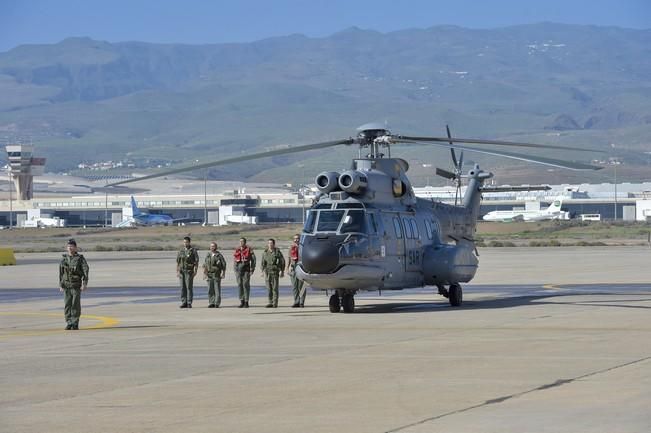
(214, 291)
(72, 304)
(271, 280)
(186, 280)
(298, 288)
(244, 285)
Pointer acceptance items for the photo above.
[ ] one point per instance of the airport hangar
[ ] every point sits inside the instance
(83, 202)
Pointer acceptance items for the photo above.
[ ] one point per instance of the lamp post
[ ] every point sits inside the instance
(11, 203)
(205, 198)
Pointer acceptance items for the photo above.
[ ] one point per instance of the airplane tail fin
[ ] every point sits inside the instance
(556, 205)
(134, 207)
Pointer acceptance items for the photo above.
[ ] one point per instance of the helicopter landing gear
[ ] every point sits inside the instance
(455, 295)
(334, 304)
(348, 302)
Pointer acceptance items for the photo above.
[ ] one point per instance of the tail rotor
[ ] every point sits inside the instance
(457, 174)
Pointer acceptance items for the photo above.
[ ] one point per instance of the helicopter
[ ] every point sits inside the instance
(367, 231)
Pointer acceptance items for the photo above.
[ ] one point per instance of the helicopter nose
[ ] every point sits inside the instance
(320, 255)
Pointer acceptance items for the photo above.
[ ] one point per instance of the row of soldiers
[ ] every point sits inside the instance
(273, 266)
(73, 275)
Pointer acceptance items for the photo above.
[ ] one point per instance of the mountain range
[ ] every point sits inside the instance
(83, 100)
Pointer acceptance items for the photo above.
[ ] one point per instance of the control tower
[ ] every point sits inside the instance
(23, 168)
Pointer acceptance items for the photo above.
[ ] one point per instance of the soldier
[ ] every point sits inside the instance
(297, 285)
(187, 262)
(244, 259)
(273, 263)
(214, 269)
(73, 279)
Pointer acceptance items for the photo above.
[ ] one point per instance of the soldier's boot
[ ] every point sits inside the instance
(68, 327)
(241, 304)
(296, 305)
(183, 305)
(246, 304)
(189, 305)
(269, 305)
(75, 326)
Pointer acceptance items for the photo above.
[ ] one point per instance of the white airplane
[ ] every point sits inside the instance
(553, 212)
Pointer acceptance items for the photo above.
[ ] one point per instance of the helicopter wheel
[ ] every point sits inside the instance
(348, 302)
(455, 295)
(334, 304)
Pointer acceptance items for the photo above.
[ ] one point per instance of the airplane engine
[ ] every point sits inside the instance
(327, 181)
(449, 264)
(353, 182)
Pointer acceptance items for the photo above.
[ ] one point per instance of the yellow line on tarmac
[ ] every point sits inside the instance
(104, 322)
(552, 287)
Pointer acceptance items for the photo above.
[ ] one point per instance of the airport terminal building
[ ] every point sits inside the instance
(80, 202)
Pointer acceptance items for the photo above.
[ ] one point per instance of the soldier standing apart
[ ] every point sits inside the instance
(187, 262)
(273, 263)
(297, 285)
(244, 259)
(214, 269)
(73, 279)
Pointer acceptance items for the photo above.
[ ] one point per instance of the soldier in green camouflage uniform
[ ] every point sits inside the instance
(187, 262)
(73, 279)
(273, 264)
(214, 269)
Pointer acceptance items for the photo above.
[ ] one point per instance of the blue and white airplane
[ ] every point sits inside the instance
(142, 217)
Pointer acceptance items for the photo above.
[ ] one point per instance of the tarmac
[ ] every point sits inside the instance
(547, 340)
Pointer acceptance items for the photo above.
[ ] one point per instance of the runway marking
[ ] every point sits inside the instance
(104, 323)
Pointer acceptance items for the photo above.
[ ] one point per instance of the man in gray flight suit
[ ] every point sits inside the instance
(244, 260)
(73, 279)
(214, 269)
(187, 263)
(273, 264)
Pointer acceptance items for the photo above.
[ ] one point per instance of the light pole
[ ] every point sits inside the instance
(205, 198)
(11, 203)
(615, 162)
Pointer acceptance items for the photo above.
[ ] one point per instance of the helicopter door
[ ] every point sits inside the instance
(394, 248)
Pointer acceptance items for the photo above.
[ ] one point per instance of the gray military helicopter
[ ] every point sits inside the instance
(368, 231)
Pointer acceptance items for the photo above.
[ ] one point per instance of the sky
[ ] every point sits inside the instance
(203, 21)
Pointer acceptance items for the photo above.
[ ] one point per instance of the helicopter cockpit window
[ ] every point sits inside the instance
(309, 222)
(323, 206)
(397, 228)
(354, 222)
(329, 220)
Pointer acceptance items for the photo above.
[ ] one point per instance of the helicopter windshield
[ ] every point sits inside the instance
(329, 220)
(354, 222)
(309, 222)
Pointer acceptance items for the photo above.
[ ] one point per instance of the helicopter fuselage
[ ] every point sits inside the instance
(379, 236)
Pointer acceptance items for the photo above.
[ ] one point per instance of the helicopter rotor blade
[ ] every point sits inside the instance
(450, 140)
(522, 157)
(282, 151)
(446, 174)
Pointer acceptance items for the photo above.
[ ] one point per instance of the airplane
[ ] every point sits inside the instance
(368, 231)
(144, 218)
(553, 212)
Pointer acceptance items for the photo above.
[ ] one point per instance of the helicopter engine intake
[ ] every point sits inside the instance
(353, 182)
(327, 182)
